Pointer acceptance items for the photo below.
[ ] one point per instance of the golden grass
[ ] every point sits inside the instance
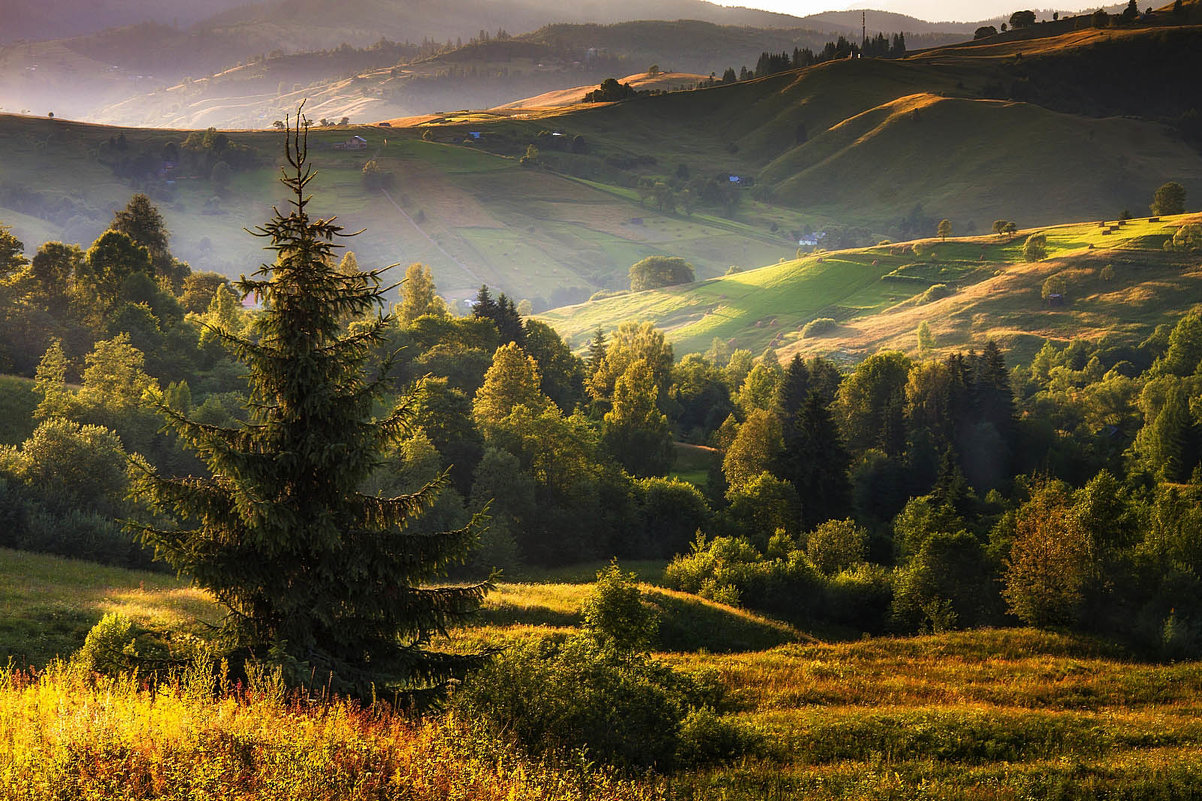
(65, 736)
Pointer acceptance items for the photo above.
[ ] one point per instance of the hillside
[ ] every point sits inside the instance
(158, 76)
(474, 217)
(878, 296)
(50, 604)
(862, 149)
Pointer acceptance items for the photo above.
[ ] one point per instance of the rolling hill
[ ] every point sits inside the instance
(877, 297)
(475, 217)
(1077, 124)
(158, 76)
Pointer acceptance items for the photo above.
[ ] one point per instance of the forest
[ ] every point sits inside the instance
(350, 479)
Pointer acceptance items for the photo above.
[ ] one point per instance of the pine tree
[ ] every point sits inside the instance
(332, 585)
(816, 462)
(143, 223)
(596, 352)
(794, 389)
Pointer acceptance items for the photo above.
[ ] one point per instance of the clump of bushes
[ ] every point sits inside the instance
(935, 292)
(600, 690)
(819, 327)
(783, 580)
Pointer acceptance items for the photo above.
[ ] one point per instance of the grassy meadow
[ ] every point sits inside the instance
(879, 295)
(991, 714)
(472, 216)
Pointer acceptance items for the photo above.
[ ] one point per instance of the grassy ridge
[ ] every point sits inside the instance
(877, 294)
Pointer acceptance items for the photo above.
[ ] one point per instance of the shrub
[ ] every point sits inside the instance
(615, 615)
(935, 292)
(819, 327)
(1186, 238)
(707, 738)
(116, 645)
(786, 585)
(555, 698)
(836, 545)
(859, 598)
(947, 585)
(1036, 247)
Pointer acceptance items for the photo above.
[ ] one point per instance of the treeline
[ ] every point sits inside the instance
(879, 46)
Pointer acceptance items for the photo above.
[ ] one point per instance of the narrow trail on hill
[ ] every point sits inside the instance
(429, 238)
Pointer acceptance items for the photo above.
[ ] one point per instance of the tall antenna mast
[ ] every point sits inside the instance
(863, 28)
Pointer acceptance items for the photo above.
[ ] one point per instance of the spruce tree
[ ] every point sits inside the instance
(816, 462)
(335, 586)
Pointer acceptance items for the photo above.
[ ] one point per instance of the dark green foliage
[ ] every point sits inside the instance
(331, 584)
(948, 584)
(671, 513)
(836, 545)
(502, 313)
(614, 613)
(655, 272)
(609, 91)
(700, 397)
(635, 432)
(815, 462)
(561, 373)
(142, 223)
(732, 570)
(1169, 199)
(598, 690)
(1022, 19)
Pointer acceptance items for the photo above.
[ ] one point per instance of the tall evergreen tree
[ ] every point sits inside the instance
(596, 353)
(794, 389)
(503, 314)
(331, 584)
(143, 223)
(816, 463)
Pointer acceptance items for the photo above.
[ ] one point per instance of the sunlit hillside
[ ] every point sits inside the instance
(968, 289)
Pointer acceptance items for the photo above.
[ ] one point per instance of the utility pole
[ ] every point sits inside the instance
(863, 30)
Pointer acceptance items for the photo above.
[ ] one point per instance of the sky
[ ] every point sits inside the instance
(933, 10)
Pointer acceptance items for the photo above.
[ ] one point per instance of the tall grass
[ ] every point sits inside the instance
(65, 735)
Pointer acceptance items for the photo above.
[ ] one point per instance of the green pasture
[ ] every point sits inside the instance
(873, 293)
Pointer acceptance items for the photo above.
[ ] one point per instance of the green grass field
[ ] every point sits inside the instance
(997, 714)
(875, 294)
(474, 217)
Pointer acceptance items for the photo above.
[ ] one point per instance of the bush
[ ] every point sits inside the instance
(116, 645)
(615, 615)
(1036, 247)
(729, 568)
(859, 598)
(948, 584)
(555, 698)
(707, 738)
(935, 292)
(836, 545)
(819, 327)
(1186, 238)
